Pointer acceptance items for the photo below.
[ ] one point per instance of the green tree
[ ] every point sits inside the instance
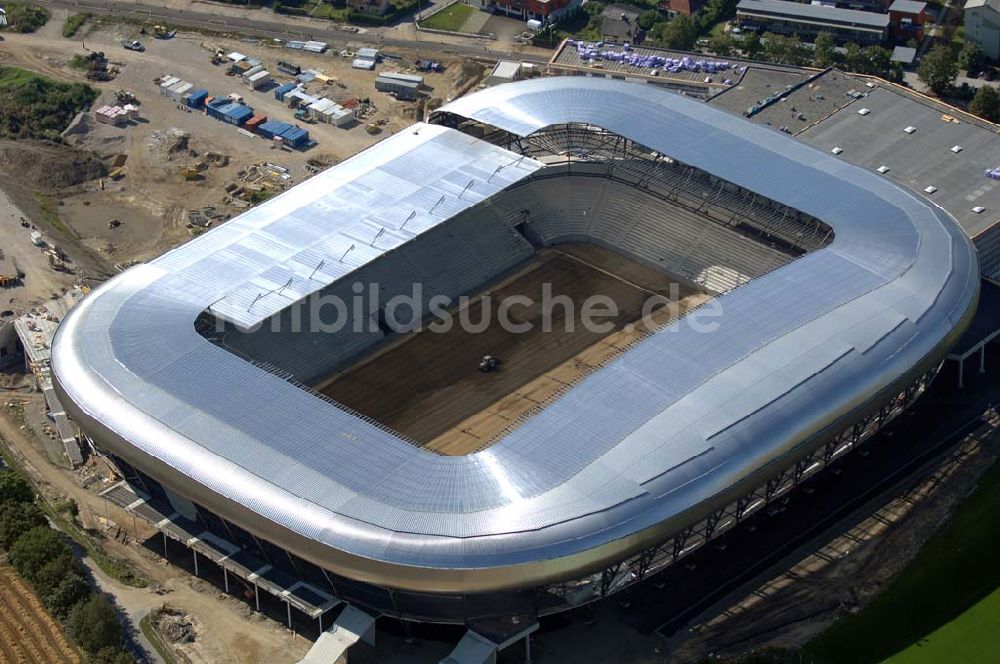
(854, 57)
(17, 519)
(34, 549)
(51, 573)
(824, 53)
(785, 50)
(647, 19)
(72, 590)
(111, 656)
(878, 61)
(680, 33)
(13, 488)
(986, 103)
(722, 43)
(972, 58)
(94, 625)
(938, 69)
(751, 45)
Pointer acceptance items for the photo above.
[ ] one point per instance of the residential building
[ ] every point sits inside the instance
(906, 19)
(982, 26)
(674, 8)
(807, 21)
(528, 9)
(620, 23)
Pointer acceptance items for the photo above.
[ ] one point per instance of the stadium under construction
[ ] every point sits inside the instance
(342, 474)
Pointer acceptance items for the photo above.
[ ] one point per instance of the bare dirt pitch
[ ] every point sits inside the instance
(428, 386)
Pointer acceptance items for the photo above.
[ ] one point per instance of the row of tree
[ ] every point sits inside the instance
(44, 559)
(939, 68)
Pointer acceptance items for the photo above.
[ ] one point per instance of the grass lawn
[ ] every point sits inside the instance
(946, 599)
(972, 637)
(328, 11)
(451, 19)
(958, 40)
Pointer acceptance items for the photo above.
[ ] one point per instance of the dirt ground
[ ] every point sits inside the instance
(152, 198)
(28, 634)
(427, 385)
(238, 635)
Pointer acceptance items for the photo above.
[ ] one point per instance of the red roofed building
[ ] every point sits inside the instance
(527, 9)
(687, 7)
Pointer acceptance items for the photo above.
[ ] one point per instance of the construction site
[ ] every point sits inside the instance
(191, 130)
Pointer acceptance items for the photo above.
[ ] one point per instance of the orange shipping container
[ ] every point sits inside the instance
(256, 120)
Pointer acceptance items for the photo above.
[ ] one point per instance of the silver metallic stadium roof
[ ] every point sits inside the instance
(638, 448)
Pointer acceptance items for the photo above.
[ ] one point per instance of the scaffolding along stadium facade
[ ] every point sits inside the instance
(841, 293)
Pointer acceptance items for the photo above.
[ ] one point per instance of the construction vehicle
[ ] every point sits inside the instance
(301, 114)
(123, 97)
(489, 363)
(193, 171)
(133, 45)
(117, 173)
(373, 129)
(161, 32)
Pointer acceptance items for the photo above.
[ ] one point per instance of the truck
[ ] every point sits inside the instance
(133, 45)
(161, 32)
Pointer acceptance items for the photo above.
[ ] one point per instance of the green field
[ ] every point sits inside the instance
(971, 638)
(945, 606)
(451, 19)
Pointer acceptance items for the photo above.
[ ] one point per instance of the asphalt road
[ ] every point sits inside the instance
(270, 27)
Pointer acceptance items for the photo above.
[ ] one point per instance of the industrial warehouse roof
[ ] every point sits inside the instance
(671, 425)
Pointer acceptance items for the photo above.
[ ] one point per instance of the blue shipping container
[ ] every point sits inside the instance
(197, 98)
(236, 114)
(295, 137)
(273, 128)
(282, 90)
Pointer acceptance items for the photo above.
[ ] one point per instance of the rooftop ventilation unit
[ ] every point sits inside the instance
(864, 111)
(930, 190)
(979, 209)
(956, 149)
(910, 129)
(837, 150)
(883, 169)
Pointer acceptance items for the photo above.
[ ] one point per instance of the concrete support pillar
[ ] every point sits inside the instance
(256, 596)
(961, 374)
(289, 606)
(527, 649)
(225, 579)
(195, 561)
(982, 359)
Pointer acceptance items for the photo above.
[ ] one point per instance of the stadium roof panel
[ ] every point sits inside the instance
(618, 460)
(332, 224)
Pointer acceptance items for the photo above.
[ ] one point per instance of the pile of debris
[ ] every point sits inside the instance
(173, 625)
(97, 67)
(166, 144)
(205, 217)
